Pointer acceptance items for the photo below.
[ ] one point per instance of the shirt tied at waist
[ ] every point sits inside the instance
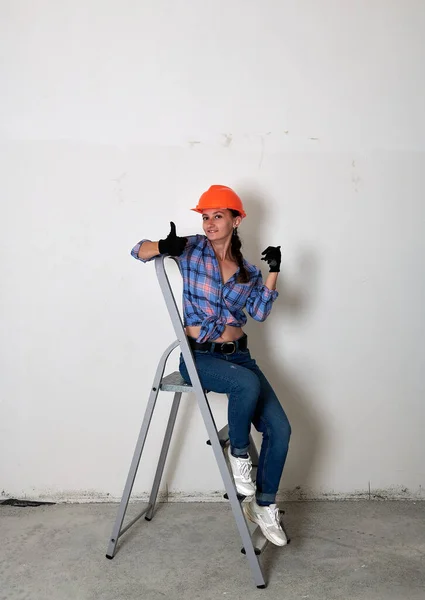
(212, 327)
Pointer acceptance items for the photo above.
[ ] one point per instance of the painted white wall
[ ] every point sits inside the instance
(115, 116)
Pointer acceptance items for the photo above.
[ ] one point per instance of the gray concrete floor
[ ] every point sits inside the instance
(341, 550)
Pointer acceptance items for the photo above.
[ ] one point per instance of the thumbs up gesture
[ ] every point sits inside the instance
(172, 244)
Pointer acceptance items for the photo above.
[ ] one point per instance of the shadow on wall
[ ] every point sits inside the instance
(296, 300)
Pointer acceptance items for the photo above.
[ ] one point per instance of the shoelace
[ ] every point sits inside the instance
(273, 511)
(245, 468)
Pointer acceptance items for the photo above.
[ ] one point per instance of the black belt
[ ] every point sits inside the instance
(220, 347)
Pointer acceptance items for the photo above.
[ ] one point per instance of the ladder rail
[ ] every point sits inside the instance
(186, 350)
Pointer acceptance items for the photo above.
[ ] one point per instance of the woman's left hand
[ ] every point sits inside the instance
(273, 257)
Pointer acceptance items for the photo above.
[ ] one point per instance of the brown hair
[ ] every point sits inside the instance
(236, 245)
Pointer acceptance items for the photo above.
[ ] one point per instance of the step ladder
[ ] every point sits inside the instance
(252, 545)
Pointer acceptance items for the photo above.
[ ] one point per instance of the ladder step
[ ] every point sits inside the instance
(174, 382)
(259, 541)
(223, 443)
(241, 498)
(223, 436)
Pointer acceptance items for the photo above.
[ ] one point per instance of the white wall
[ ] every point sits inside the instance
(115, 116)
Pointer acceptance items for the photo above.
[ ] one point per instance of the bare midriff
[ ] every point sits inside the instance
(230, 333)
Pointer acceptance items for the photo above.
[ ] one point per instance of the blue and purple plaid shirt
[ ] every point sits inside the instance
(209, 302)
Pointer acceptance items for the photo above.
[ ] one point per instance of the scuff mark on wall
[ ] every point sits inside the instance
(297, 494)
(228, 139)
(119, 187)
(263, 148)
(193, 143)
(355, 178)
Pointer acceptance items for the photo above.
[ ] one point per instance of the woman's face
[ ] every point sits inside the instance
(218, 223)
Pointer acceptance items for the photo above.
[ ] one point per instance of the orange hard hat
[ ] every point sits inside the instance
(220, 196)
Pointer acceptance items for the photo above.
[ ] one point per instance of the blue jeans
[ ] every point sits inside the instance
(251, 400)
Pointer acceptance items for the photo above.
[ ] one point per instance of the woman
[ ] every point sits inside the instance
(218, 283)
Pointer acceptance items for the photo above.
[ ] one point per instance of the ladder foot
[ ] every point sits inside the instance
(148, 518)
(262, 587)
(108, 556)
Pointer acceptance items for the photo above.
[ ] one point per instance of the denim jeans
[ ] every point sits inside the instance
(251, 400)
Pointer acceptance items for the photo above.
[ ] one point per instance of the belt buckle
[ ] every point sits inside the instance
(225, 344)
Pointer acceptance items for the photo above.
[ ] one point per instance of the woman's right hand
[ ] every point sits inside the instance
(173, 244)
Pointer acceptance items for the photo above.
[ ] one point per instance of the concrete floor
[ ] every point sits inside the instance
(341, 550)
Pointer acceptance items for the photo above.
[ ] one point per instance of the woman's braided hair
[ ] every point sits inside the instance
(236, 245)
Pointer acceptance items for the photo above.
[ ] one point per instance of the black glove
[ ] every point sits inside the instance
(273, 257)
(172, 245)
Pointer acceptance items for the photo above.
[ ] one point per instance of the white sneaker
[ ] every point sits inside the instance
(241, 469)
(268, 518)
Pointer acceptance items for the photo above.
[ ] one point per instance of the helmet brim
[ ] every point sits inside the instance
(202, 210)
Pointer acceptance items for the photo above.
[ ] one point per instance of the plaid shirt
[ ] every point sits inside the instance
(209, 302)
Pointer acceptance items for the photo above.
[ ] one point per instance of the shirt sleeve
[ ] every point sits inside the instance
(260, 300)
(135, 252)
(192, 240)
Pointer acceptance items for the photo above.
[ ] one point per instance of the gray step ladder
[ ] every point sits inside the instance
(252, 545)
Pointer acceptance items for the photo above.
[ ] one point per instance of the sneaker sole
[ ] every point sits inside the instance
(251, 517)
